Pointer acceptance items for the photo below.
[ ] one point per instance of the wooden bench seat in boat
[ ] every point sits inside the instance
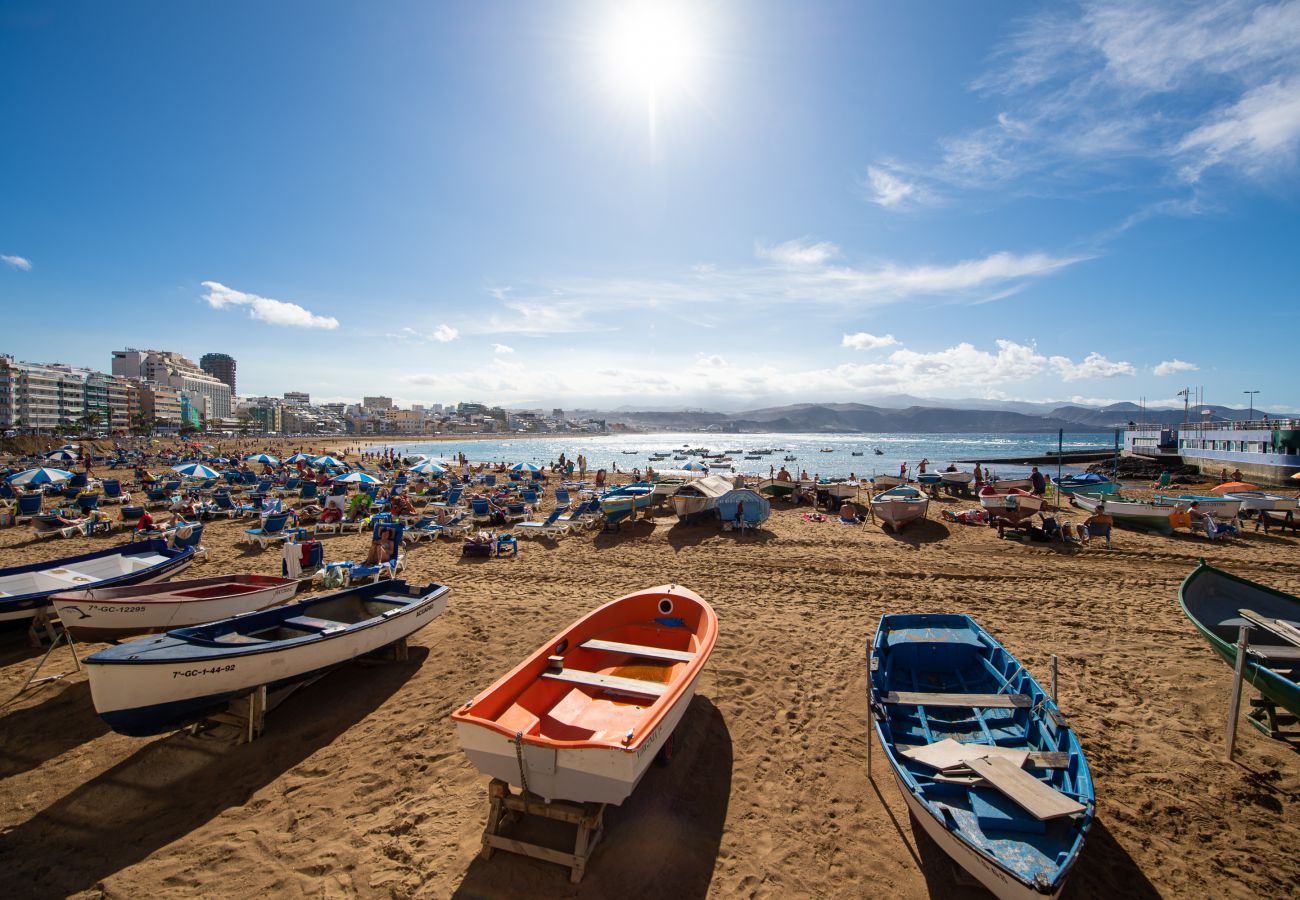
(1273, 653)
(981, 701)
(235, 637)
(308, 623)
(609, 682)
(1280, 627)
(638, 650)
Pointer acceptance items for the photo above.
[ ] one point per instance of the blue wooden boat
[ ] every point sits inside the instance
(943, 694)
(24, 589)
(1088, 481)
(621, 502)
(162, 683)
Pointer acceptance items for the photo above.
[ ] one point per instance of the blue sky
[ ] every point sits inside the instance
(717, 204)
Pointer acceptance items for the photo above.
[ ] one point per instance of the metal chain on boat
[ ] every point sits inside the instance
(519, 757)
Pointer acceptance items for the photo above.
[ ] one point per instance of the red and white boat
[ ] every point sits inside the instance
(101, 614)
(583, 717)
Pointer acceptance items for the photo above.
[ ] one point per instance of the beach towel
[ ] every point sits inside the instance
(291, 555)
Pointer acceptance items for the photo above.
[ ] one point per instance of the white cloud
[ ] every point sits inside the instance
(1094, 365)
(1262, 127)
(502, 348)
(1173, 367)
(16, 262)
(799, 253)
(887, 188)
(864, 341)
(444, 334)
(274, 312)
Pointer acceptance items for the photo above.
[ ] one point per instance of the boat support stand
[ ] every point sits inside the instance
(507, 807)
(43, 629)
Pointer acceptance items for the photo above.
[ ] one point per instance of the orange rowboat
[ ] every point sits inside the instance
(583, 717)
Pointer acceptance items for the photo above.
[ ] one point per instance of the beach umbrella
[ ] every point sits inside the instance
(298, 457)
(70, 447)
(322, 461)
(62, 456)
(525, 467)
(39, 475)
(266, 458)
(1233, 486)
(694, 466)
(429, 468)
(196, 470)
(356, 478)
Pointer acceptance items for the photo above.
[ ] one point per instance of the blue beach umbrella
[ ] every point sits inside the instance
(525, 467)
(39, 475)
(266, 458)
(694, 466)
(196, 470)
(62, 455)
(323, 461)
(429, 468)
(298, 457)
(356, 478)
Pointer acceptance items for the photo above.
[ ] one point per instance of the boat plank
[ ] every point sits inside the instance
(609, 682)
(638, 650)
(1038, 799)
(982, 701)
(949, 754)
(1279, 627)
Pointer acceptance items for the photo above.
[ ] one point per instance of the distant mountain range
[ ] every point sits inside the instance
(923, 416)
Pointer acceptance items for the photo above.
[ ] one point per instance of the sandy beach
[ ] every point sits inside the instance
(358, 786)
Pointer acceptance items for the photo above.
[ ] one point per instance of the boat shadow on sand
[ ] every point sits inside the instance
(921, 531)
(175, 784)
(26, 737)
(662, 842)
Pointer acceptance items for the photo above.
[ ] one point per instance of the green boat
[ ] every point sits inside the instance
(775, 487)
(1212, 599)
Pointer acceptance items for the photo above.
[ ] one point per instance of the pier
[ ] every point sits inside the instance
(1046, 459)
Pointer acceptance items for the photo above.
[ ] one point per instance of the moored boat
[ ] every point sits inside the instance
(928, 478)
(24, 589)
(1263, 500)
(898, 506)
(1213, 600)
(1088, 481)
(159, 684)
(957, 479)
(582, 718)
(622, 502)
(102, 614)
(885, 482)
(1013, 507)
(1134, 513)
(776, 487)
(1225, 509)
(699, 496)
(959, 720)
(1004, 485)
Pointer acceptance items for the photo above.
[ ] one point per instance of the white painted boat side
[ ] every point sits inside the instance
(582, 775)
(899, 512)
(689, 506)
(135, 618)
(1258, 501)
(999, 881)
(14, 615)
(124, 686)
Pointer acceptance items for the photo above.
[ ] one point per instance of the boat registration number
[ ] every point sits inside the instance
(115, 609)
(212, 670)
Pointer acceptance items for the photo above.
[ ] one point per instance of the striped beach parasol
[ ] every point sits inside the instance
(694, 466)
(265, 458)
(323, 461)
(62, 455)
(196, 470)
(525, 467)
(299, 457)
(39, 475)
(356, 478)
(429, 468)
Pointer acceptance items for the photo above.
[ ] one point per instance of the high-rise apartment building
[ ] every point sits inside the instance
(41, 397)
(176, 371)
(377, 402)
(220, 366)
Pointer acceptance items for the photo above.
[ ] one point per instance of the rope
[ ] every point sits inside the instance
(519, 757)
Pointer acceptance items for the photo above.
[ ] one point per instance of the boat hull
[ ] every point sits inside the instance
(1014, 508)
(1221, 508)
(1145, 516)
(884, 482)
(897, 514)
(101, 615)
(1261, 500)
(774, 488)
(141, 696)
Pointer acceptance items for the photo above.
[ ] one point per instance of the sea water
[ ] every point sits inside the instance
(826, 456)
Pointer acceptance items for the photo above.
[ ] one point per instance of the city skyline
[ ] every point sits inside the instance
(721, 206)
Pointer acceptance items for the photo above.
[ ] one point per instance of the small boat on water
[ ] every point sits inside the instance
(1088, 481)
(24, 589)
(982, 755)
(898, 506)
(789, 458)
(621, 502)
(699, 497)
(1225, 509)
(162, 683)
(583, 717)
(1134, 513)
(855, 453)
(879, 452)
(1263, 500)
(103, 614)
(1214, 600)
(826, 450)
(1013, 507)
(775, 487)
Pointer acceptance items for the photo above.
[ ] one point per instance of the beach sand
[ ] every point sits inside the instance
(358, 786)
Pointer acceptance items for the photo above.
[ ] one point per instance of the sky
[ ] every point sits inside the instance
(724, 205)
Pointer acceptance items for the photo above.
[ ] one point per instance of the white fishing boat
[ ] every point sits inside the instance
(776, 487)
(1013, 507)
(898, 506)
(159, 684)
(103, 614)
(1263, 500)
(885, 482)
(699, 496)
(957, 479)
(583, 717)
(1135, 513)
(1005, 485)
(1225, 509)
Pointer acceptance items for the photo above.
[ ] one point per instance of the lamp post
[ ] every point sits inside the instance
(1252, 403)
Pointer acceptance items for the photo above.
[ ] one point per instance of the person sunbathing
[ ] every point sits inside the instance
(381, 548)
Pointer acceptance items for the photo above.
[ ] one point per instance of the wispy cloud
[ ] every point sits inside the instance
(17, 262)
(799, 253)
(443, 334)
(1094, 365)
(264, 309)
(864, 341)
(1173, 367)
(887, 185)
(502, 348)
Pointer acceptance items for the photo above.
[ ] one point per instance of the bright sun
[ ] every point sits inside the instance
(650, 48)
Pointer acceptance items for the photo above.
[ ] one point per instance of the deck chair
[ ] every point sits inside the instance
(421, 529)
(1100, 531)
(304, 560)
(549, 527)
(351, 572)
(188, 535)
(490, 480)
(516, 512)
(480, 512)
(157, 497)
(131, 515)
(7, 491)
(29, 505)
(452, 499)
(453, 527)
(87, 502)
(308, 491)
(112, 490)
(273, 531)
(51, 525)
(529, 496)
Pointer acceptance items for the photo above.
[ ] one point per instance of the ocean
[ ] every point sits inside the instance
(632, 451)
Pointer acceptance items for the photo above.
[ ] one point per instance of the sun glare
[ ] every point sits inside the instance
(650, 49)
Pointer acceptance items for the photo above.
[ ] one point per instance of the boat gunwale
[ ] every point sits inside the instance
(165, 592)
